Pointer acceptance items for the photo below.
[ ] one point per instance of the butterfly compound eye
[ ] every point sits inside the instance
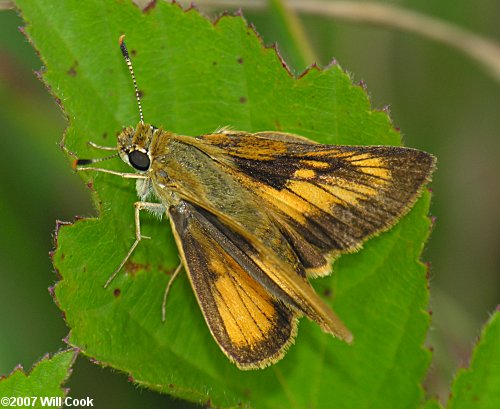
(139, 160)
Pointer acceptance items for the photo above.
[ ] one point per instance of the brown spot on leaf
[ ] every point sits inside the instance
(243, 100)
(133, 268)
(167, 271)
(117, 292)
(72, 71)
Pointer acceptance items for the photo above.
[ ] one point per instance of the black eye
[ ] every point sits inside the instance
(139, 160)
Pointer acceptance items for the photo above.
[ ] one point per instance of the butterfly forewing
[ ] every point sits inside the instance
(327, 199)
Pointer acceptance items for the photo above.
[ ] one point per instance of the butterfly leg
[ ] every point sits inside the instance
(112, 172)
(153, 207)
(101, 147)
(167, 289)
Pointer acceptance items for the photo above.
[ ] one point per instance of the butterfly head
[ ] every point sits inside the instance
(134, 144)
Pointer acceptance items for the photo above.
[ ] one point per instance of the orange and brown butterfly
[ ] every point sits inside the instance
(255, 215)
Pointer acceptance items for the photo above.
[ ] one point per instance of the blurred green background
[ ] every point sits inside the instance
(443, 102)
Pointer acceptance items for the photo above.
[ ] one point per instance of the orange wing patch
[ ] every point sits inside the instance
(315, 164)
(316, 195)
(245, 307)
(286, 201)
(304, 174)
(368, 164)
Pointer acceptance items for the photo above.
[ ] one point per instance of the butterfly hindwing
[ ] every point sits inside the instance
(251, 326)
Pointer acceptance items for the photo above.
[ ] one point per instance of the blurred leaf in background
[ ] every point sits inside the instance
(37, 188)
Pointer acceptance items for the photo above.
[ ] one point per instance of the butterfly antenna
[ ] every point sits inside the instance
(124, 50)
(80, 162)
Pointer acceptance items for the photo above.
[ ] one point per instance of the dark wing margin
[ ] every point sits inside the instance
(349, 194)
(251, 326)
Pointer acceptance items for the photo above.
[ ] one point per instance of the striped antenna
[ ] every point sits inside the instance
(123, 47)
(80, 162)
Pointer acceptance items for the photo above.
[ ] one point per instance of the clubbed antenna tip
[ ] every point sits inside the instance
(82, 162)
(126, 56)
(123, 47)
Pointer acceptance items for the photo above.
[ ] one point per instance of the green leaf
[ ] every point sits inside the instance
(44, 380)
(196, 76)
(432, 404)
(478, 386)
